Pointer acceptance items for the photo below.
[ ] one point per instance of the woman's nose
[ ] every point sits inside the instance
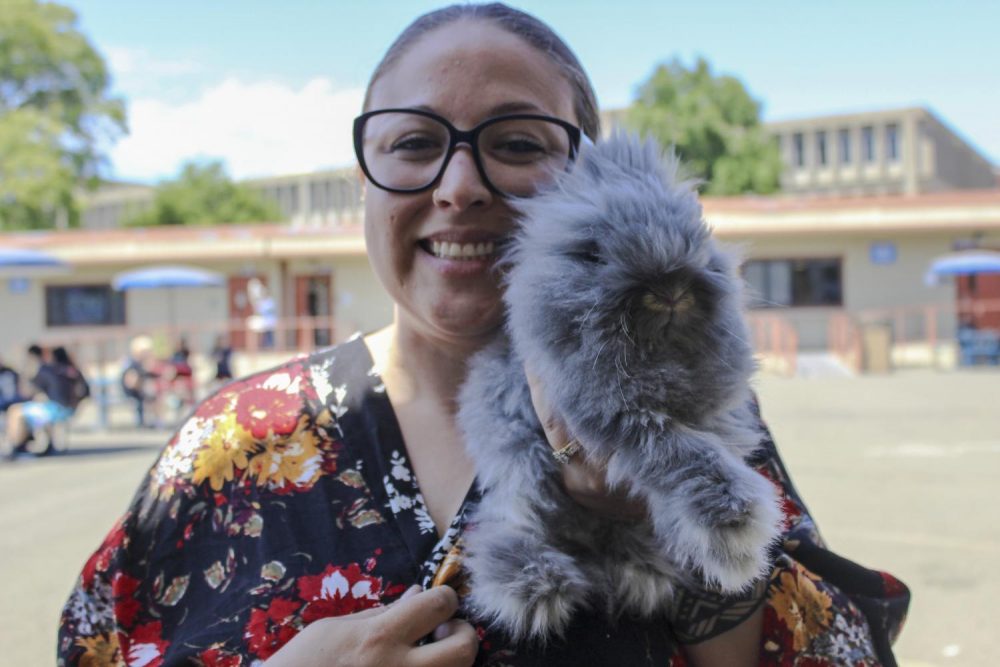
(461, 185)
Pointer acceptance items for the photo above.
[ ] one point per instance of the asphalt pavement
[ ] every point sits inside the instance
(900, 471)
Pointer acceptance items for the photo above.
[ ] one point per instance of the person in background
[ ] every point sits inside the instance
(138, 377)
(181, 375)
(265, 313)
(59, 387)
(10, 387)
(222, 355)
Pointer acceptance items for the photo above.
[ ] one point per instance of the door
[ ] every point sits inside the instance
(314, 310)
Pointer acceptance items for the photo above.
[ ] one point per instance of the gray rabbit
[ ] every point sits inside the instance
(621, 303)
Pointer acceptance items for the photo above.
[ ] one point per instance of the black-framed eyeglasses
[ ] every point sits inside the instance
(407, 150)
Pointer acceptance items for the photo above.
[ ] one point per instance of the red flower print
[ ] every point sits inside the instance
(269, 629)
(101, 559)
(123, 587)
(216, 657)
(776, 646)
(144, 646)
(338, 591)
(268, 411)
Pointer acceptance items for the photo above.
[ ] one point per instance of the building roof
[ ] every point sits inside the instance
(744, 216)
(959, 210)
(86, 247)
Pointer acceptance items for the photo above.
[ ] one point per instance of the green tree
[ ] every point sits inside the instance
(204, 194)
(56, 113)
(714, 125)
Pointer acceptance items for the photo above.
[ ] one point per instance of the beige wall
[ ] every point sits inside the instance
(359, 303)
(867, 286)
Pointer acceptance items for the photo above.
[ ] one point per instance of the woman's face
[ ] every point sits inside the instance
(466, 71)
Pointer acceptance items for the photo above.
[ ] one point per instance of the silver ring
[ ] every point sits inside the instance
(567, 451)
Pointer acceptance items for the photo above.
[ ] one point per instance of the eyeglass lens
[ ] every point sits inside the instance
(406, 151)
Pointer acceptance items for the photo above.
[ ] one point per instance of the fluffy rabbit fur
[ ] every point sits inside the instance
(631, 317)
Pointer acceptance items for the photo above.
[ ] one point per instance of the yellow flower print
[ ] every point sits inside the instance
(293, 459)
(100, 651)
(224, 451)
(802, 607)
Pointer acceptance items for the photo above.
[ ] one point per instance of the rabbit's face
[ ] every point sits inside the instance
(637, 295)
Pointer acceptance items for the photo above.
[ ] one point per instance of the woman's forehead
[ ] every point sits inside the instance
(470, 70)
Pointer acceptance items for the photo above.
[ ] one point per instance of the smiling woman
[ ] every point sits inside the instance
(286, 519)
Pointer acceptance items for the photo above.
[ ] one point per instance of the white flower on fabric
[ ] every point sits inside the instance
(424, 520)
(335, 585)
(278, 382)
(178, 459)
(140, 655)
(91, 611)
(321, 381)
(362, 589)
(397, 502)
(400, 470)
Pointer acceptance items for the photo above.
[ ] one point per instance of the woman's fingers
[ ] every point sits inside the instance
(586, 484)
(555, 429)
(417, 616)
(457, 649)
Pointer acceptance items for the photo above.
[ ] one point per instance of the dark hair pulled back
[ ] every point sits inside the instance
(527, 27)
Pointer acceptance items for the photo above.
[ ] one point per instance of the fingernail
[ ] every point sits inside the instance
(410, 592)
(441, 631)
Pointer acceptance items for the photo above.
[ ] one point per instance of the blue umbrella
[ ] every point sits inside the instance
(24, 260)
(166, 277)
(963, 263)
(157, 277)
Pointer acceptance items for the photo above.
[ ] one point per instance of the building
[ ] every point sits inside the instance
(819, 269)
(321, 198)
(896, 151)
(328, 198)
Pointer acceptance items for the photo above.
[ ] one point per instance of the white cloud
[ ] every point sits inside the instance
(257, 128)
(126, 62)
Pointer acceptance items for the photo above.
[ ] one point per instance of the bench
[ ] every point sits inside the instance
(978, 345)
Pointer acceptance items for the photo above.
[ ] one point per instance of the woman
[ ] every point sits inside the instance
(287, 519)
(60, 387)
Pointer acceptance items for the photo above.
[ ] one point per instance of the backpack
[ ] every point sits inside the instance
(79, 389)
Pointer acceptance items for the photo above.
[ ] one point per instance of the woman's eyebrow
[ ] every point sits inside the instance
(514, 107)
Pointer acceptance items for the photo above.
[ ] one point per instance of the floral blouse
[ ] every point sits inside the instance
(288, 497)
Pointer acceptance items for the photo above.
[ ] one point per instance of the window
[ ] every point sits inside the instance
(799, 148)
(794, 282)
(868, 143)
(821, 148)
(844, 139)
(83, 305)
(892, 142)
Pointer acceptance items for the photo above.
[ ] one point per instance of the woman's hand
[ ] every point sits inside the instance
(586, 484)
(387, 636)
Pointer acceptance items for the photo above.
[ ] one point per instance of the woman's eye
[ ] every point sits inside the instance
(415, 147)
(519, 148)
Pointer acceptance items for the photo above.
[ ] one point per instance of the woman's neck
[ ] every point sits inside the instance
(420, 367)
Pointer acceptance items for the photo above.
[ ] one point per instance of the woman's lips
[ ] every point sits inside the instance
(452, 258)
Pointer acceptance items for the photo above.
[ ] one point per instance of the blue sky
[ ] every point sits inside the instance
(271, 86)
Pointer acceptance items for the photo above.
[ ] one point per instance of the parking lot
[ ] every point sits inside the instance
(899, 470)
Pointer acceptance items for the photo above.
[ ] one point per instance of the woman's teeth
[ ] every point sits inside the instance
(461, 251)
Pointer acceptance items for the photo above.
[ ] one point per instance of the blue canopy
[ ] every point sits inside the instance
(155, 277)
(963, 263)
(966, 263)
(25, 257)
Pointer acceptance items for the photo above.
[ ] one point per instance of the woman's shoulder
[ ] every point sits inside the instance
(276, 429)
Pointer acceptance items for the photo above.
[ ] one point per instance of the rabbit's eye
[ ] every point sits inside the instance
(586, 252)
